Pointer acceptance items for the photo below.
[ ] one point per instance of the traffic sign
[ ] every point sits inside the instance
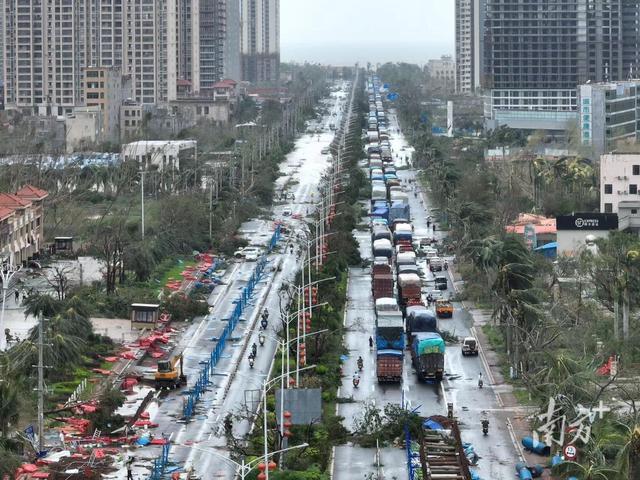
(570, 452)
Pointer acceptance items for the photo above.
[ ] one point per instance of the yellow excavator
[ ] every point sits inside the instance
(170, 374)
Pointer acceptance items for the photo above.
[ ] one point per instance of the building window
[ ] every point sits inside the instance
(636, 169)
(608, 208)
(608, 188)
(634, 211)
(633, 189)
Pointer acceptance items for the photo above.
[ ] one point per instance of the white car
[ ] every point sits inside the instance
(325, 151)
(251, 254)
(287, 212)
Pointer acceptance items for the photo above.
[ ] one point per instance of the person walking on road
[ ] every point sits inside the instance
(17, 296)
(129, 468)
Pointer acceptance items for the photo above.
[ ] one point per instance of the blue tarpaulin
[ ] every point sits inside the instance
(432, 425)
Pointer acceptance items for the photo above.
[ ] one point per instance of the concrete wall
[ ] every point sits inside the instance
(571, 241)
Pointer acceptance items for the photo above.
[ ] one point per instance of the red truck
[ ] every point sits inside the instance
(382, 285)
(389, 365)
(409, 289)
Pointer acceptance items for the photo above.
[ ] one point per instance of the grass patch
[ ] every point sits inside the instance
(495, 337)
(174, 269)
(522, 396)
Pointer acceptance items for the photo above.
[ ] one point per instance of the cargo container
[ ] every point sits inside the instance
(389, 331)
(389, 365)
(382, 248)
(406, 258)
(382, 285)
(387, 304)
(419, 319)
(381, 267)
(399, 210)
(409, 289)
(380, 232)
(427, 355)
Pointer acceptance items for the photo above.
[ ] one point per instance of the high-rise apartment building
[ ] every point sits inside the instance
(260, 40)
(48, 44)
(208, 42)
(536, 52)
(469, 16)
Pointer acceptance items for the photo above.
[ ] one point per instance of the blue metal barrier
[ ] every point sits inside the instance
(413, 458)
(160, 463)
(240, 304)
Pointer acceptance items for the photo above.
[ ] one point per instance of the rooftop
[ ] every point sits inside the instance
(32, 193)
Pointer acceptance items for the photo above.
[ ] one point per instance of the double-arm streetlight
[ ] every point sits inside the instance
(6, 275)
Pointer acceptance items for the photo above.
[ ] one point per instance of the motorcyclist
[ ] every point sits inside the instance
(360, 363)
(356, 379)
(485, 426)
(254, 349)
(251, 360)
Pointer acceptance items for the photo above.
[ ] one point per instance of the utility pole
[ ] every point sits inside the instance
(142, 199)
(40, 383)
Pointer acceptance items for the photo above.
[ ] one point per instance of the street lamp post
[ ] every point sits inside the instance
(6, 274)
(244, 468)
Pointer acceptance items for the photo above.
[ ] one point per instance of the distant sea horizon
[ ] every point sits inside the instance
(349, 54)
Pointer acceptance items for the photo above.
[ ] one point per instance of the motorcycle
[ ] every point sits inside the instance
(254, 349)
(264, 324)
(251, 361)
(485, 427)
(356, 382)
(360, 364)
(261, 340)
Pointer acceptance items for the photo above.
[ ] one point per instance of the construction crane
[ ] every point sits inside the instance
(170, 373)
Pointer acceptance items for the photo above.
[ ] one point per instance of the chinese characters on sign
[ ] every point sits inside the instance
(554, 424)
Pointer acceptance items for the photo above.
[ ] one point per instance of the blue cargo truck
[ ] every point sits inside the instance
(427, 355)
(389, 346)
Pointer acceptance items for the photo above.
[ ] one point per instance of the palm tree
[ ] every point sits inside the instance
(591, 471)
(9, 405)
(628, 460)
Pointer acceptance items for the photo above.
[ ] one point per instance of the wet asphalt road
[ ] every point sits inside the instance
(496, 451)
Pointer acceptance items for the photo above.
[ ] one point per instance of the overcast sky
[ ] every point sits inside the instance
(342, 32)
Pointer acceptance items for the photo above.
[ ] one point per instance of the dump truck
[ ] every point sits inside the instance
(170, 373)
(444, 309)
(427, 355)
(442, 451)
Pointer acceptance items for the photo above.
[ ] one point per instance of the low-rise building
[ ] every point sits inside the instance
(105, 87)
(442, 71)
(83, 128)
(619, 181)
(131, 119)
(609, 114)
(160, 154)
(21, 224)
(577, 231)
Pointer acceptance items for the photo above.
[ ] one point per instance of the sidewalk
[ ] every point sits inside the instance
(517, 414)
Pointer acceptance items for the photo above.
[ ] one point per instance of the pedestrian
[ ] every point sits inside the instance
(129, 468)
(17, 295)
(434, 228)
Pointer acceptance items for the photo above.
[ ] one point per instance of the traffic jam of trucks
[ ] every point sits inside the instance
(404, 320)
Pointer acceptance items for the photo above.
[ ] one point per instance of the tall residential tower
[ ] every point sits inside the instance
(260, 40)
